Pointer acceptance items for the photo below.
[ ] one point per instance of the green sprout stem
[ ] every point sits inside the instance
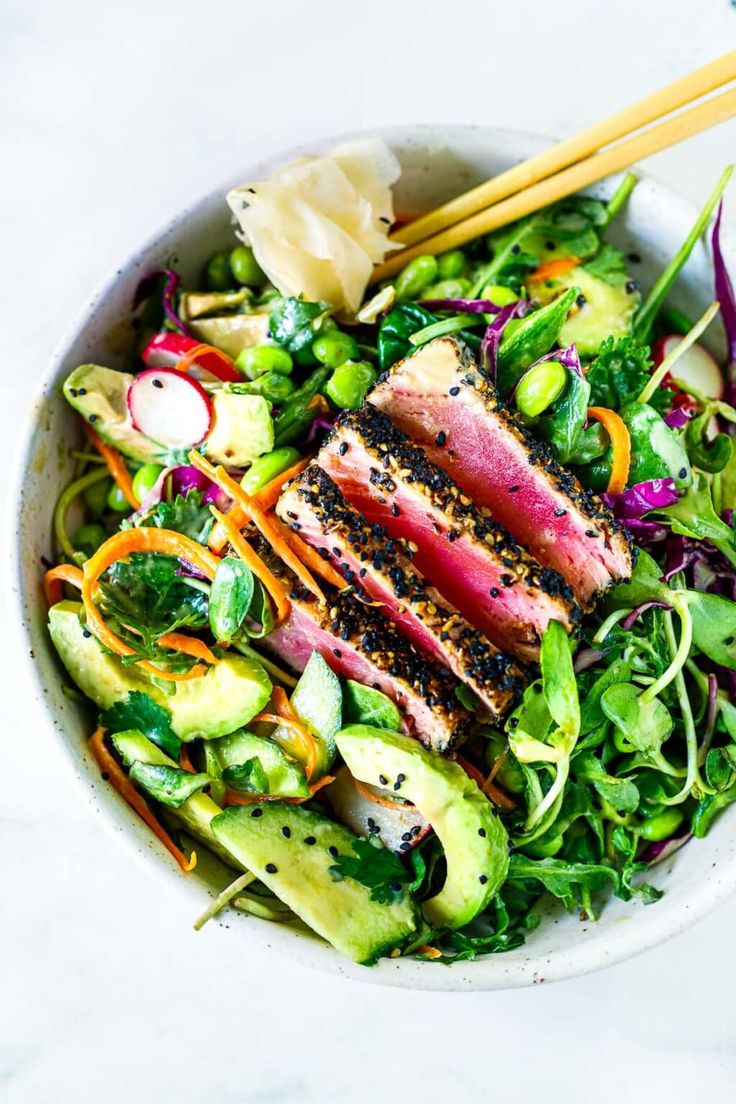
(63, 504)
(666, 366)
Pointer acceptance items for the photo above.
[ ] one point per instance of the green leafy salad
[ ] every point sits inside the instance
(406, 609)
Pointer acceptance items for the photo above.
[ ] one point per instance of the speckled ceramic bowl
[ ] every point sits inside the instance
(438, 162)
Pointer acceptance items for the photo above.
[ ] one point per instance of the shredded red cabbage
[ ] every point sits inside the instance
(587, 657)
(320, 425)
(636, 613)
(186, 478)
(492, 337)
(678, 418)
(657, 852)
(725, 296)
(653, 494)
(147, 287)
(467, 306)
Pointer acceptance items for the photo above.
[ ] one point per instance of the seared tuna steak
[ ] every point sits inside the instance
(356, 641)
(441, 399)
(474, 562)
(380, 567)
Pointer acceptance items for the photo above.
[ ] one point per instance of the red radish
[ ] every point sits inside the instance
(165, 350)
(696, 366)
(170, 407)
(399, 828)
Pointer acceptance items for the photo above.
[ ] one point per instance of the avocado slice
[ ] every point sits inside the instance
(232, 332)
(198, 304)
(224, 699)
(285, 777)
(317, 702)
(608, 309)
(291, 849)
(242, 426)
(474, 839)
(196, 813)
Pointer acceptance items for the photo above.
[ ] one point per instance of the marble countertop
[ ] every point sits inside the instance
(112, 117)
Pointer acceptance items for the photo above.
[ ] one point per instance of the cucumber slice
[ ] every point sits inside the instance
(317, 702)
(285, 776)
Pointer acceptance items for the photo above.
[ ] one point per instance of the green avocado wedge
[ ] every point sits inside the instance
(224, 699)
(291, 850)
(474, 839)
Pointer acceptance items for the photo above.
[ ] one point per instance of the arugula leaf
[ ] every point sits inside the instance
(171, 786)
(139, 711)
(609, 265)
(619, 372)
(626, 844)
(294, 323)
(365, 705)
(720, 768)
(693, 516)
(247, 777)
(644, 725)
(376, 868)
(571, 882)
(709, 808)
(621, 793)
(558, 679)
(591, 713)
(187, 514)
(231, 594)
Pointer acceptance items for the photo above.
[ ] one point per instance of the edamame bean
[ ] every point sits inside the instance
(501, 296)
(117, 501)
(273, 386)
(95, 498)
(447, 289)
(348, 384)
(450, 265)
(539, 387)
(334, 348)
(144, 480)
(267, 467)
(217, 274)
(418, 274)
(245, 267)
(88, 538)
(662, 825)
(260, 359)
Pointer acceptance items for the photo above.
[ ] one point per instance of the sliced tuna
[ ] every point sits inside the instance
(357, 642)
(381, 568)
(472, 560)
(442, 400)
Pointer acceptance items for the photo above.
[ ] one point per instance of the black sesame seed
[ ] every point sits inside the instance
(337, 652)
(73, 392)
(482, 832)
(581, 300)
(494, 592)
(549, 244)
(271, 868)
(682, 473)
(157, 383)
(310, 840)
(515, 249)
(632, 286)
(397, 785)
(404, 846)
(383, 780)
(343, 448)
(728, 641)
(513, 722)
(395, 511)
(454, 390)
(560, 511)
(514, 489)
(86, 634)
(402, 777)
(395, 887)
(82, 391)
(482, 878)
(371, 822)
(256, 812)
(93, 417)
(590, 533)
(440, 438)
(333, 851)
(374, 829)
(286, 831)
(635, 258)
(406, 836)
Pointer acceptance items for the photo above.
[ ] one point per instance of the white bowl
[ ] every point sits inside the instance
(438, 162)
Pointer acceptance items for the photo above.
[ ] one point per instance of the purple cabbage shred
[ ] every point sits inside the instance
(147, 287)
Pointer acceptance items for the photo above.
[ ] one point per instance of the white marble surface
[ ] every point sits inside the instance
(112, 115)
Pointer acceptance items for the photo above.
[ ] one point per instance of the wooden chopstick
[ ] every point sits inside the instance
(653, 107)
(696, 119)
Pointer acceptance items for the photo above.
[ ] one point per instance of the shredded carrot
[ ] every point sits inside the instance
(116, 467)
(232, 798)
(267, 497)
(261, 570)
(189, 645)
(268, 525)
(370, 796)
(119, 546)
(55, 576)
(471, 771)
(616, 429)
(429, 952)
(185, 760)
(185, 362)
(498, 763)
(313, 560)
(493, 793)
(119, 780)
(285, 715)
(548, 270)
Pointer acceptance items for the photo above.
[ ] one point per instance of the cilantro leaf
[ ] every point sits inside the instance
(609, 265)
(140, 712)
(376, 868)
(187, 514)
(294, 323)
(247, 777)
(619, 372)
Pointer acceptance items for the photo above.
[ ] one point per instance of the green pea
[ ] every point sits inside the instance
(334, 348)
(267, 467)
(450, 265)
(95, 498)
(245, 267)
(662, 825)
(259, 359)
(348, 384)
(144, 480)
(418, 274)
(545, 848)
(501, 296)
(273, 386)
(117, 501)
(217, 274)
(88, 538)
(539, 387)
(448, 289)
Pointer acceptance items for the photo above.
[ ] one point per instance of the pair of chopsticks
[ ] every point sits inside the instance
(572, 164)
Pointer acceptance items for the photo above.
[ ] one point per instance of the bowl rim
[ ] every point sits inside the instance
(484, 973)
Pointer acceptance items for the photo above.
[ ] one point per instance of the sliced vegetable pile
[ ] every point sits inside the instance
(417, 787)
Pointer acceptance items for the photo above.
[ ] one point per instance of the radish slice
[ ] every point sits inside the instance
(399, 828)
(696, 366)
(170, 407)
(165, 350)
